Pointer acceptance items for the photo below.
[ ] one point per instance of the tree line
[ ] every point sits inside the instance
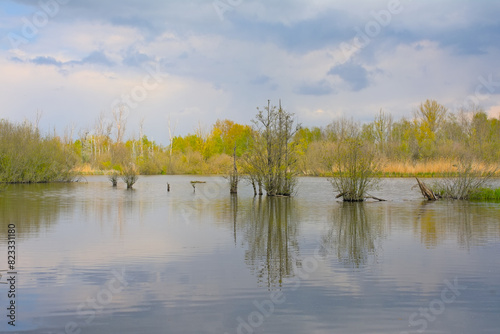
(270, 151)
(26, 156)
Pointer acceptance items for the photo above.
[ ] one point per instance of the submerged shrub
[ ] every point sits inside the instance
(113, 178)
(469, 179)
(130, 175)
(355, 170)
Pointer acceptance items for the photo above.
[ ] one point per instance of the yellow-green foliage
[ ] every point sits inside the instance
(432, 137)
(28, 157)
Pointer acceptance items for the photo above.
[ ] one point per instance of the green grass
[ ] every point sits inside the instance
(418, 174)
(486, 194)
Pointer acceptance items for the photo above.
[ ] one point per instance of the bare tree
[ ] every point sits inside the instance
(141, 136)
(171, 135)
(120, 118)
(102, 132)
(354, 165)
(276, 129)
(102, 126)
(68, 134)
(355, 168)
(465, 117)
(233, 176)
(38, 117)
(342, 128)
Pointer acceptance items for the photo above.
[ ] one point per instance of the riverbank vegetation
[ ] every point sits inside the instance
(26, 156)
(427, 144)
(486, 194)
(468, 181)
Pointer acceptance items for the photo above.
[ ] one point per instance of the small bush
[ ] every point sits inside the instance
(130, 176)
(469, 179)
(113, 177)
(355, 170)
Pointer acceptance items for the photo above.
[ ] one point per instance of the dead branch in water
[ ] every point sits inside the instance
(360, 200)
(426, 191)
(376, 198)
(193, 183)
(340, 195)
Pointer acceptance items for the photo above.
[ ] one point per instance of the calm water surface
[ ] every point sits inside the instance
(93, 259)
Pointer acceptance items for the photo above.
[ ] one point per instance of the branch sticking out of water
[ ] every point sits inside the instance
(426, 191)
(469, 179)
(347, 198)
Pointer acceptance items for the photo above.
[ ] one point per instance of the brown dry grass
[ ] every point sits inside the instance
(428, 168)
(87, 169)
(389, 169)
(439, 166)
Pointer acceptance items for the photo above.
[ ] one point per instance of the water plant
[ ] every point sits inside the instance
(468, 180)
(356, 169)
(485, 194)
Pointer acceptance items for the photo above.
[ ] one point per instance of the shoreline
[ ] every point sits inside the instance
(389, 169)
(425, 175)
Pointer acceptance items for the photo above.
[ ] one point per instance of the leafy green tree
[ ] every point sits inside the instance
(428, 120)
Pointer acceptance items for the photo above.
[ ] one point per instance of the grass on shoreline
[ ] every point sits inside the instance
(486, 194)
(432, 169)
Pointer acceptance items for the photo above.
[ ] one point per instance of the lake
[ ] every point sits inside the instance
(90, 258)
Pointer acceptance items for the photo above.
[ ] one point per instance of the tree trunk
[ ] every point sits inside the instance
(426, 191)
(233, 178)
(254, 188)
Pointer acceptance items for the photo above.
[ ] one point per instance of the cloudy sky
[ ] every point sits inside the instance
(196, 61)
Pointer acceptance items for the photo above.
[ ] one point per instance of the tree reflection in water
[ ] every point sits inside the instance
(270, 233)
(32, 207)
(470, 223)
(353, 234)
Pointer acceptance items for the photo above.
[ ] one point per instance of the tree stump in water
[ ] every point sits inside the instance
(193, 183)
(426, 191)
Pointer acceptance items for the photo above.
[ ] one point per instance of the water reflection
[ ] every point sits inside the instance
(36, 208)
(425, 221)
(269, 231)
(470, 223)
(353, 233)
(33, 207)
(191, 260)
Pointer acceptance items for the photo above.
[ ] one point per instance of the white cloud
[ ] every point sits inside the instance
(263, 50)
